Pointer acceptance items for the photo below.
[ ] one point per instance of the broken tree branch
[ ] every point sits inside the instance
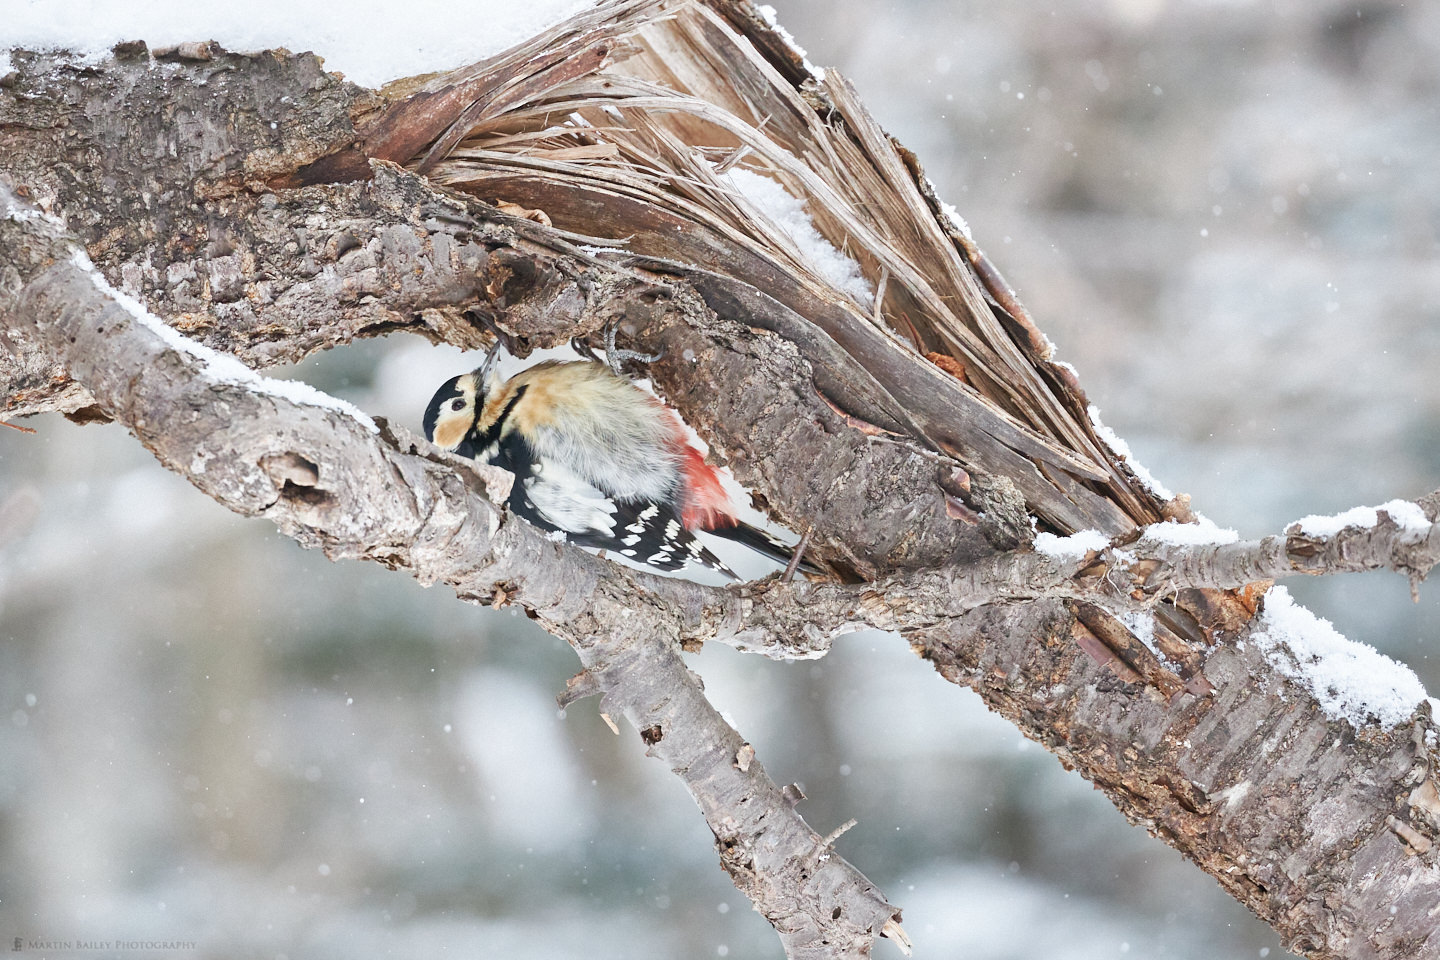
(329, 477)
(318, 472)
(1322, 824)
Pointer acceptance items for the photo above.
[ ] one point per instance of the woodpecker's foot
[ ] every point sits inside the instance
(582, 346)
(614, 356)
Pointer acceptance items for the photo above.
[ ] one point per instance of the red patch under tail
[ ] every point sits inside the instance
(704, 504)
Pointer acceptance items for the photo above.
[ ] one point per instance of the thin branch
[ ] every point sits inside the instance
(801, 619)
(1401, 536)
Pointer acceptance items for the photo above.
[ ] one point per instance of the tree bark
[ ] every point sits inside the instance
(331, 479)
(269, 210)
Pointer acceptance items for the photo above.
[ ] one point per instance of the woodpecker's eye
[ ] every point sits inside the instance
(457, 405)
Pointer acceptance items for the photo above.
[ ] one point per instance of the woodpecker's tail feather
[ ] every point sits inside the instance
(762, 543)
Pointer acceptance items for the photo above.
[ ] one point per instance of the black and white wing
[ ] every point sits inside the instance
(557, 499)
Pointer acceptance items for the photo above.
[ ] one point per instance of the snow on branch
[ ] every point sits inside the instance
(1351, 681)
(1409, 516)
(1398, 536)
(219, 367)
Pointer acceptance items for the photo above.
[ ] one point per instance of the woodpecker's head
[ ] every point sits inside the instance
(452, 418)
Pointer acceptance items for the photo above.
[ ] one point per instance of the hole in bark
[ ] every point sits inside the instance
(292, 470)
(847, 572)
(835, 914)
(90, 414)
(311, 496)
(509, 278)
(652, 735)
(340, 244)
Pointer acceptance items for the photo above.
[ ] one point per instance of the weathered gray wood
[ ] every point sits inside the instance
(274, 276)
(1325, 826)
(330, 480)
(1326, 832)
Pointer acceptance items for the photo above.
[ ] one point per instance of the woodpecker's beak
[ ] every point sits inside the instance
(482, 372)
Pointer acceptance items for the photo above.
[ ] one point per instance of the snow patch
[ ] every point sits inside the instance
(427, 38)
(1073, 547)
(768, 13)
(956, 221)
(948, 211)
(1327, 526)
(1122, 450)
(788, 213)
(1406, 515)
(221, 367)
(18, 213)
(1141, 624)
(1202, 532)
(1352, 681)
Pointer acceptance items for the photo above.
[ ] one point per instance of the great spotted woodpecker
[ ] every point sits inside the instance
(596, 459)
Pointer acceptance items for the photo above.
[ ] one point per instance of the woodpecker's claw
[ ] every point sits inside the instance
(614, 356)
(582, 346)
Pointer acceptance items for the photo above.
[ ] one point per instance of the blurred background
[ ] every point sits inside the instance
(1224, 213)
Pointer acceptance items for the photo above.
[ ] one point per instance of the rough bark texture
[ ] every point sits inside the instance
(270, 242)
(329, 480)
(1325, 831)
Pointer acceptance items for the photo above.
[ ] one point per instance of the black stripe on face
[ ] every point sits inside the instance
(484, 440)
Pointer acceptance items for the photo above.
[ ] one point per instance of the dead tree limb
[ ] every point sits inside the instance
(327, 477)
(933, 421)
